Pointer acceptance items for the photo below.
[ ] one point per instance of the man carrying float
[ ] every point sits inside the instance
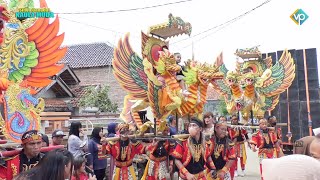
(223, 155)
(238, 136)
(123, 151)
(272, 122)
(159, 154)
(192, 155)
(265, 140)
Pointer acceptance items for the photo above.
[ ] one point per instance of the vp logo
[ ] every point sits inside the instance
(299, 16)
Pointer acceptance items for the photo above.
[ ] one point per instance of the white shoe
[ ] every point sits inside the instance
(243, 173)
(235, 173)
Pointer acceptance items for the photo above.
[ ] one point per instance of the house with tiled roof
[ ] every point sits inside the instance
(92, 64)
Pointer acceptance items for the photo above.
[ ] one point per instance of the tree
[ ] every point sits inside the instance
(222, 107)
(98, 97)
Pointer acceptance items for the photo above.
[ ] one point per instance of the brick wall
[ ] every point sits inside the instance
(102, 75)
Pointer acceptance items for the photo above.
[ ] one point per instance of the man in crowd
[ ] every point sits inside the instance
(26, 159)
(272, 122)
(192, 155)
(265, 139)
(57, 137)
(223, 155)
(239, 137)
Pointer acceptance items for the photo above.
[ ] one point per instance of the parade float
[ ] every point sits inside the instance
(30, 50)
(150, 79)
(255, 85)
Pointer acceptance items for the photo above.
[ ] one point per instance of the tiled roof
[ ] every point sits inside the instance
(212, 94)
(57, 103)
(78, 91)
(88, 55)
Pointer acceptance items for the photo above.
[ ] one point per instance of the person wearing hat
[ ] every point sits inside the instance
(26, 159)
(57, 137)
(265, 140)
(192, 154)
(123, 152)
(223, 155)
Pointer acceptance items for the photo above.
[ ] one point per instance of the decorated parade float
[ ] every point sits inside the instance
(254, 87)
(30, 50)
(150, 79)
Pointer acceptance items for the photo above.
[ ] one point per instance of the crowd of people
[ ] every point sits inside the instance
(207, 149)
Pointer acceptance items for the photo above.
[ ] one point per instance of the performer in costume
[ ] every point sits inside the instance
(265, 140)
(26, 159)
(192, 155)
(223, 155)
(123, 151)
(159, 153)
(238, 136)
(272, 122)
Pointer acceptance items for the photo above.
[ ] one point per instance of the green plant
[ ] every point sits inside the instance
(98, 97)
(222, 107)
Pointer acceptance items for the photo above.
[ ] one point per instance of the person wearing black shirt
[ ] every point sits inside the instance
(192, 155)
(223, 155)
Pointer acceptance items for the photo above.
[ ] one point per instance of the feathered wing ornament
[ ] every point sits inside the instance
(128, 70)
(29, 54)
(278, 78)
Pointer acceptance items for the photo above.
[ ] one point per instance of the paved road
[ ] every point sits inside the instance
(252, 167)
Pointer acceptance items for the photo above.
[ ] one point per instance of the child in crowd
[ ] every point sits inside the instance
(80, 170)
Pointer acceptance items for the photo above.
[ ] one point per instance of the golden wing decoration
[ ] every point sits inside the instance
(128, 70)
(279, 78)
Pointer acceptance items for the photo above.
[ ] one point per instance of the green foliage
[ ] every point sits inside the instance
(222, 107)
(98, 97)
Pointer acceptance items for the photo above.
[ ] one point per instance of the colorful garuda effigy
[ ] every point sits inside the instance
(30, 50)
(256, 84)
(151, 81)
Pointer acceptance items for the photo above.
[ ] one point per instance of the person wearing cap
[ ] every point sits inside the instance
(123, 151)
(223, 155)
(26, 159)
(265, 140)
(192, 155)
(159, 153)
(57, 137)
(239, 137)
(272, 122)
(309, 145)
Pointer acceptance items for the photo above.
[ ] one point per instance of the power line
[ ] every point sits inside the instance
(125, 10)
(225, 23)
(105, 29)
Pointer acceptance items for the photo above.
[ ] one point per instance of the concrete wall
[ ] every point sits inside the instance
(103, 76)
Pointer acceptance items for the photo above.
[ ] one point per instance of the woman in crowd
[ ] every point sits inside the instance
(208, 120)
(96, 160)
(55, 165)
(75, 145)
(80, 170)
